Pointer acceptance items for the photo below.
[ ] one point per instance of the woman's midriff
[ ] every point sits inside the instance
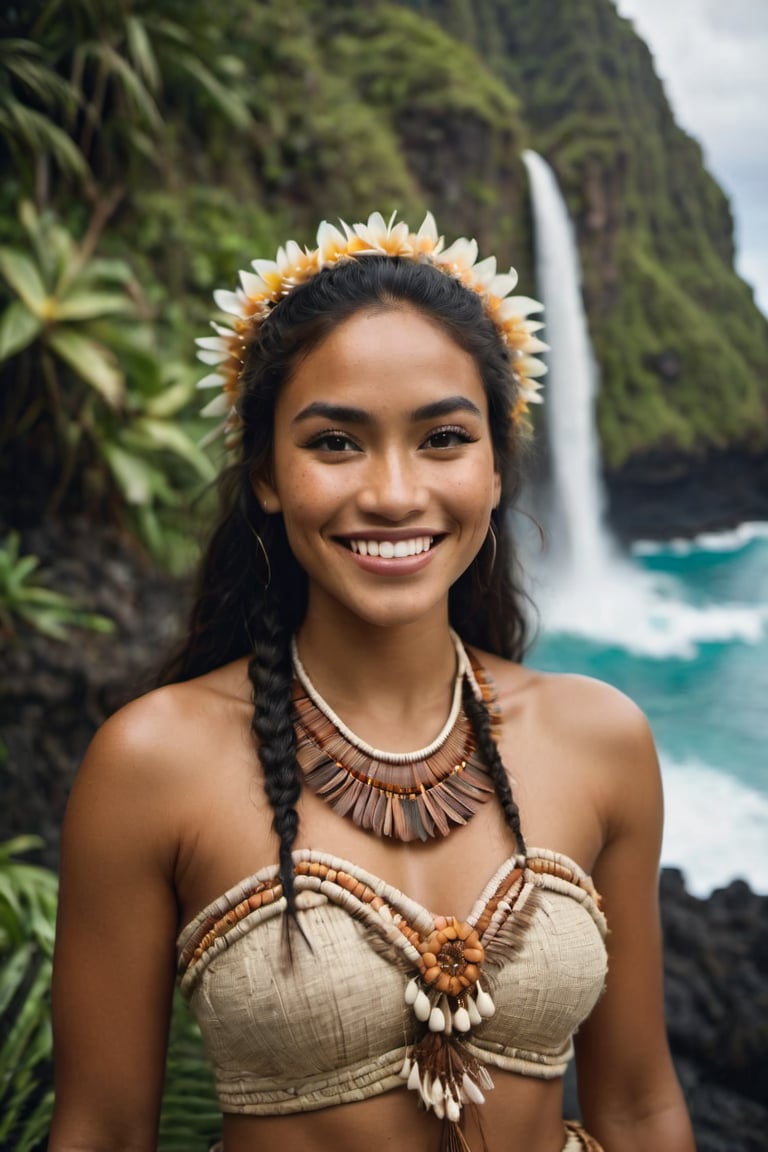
(519, 1115)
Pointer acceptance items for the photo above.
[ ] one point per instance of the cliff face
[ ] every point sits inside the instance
(682, 348)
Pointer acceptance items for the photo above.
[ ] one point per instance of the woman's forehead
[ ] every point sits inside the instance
(378, 356)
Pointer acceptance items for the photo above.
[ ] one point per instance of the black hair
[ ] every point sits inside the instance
(247, 604)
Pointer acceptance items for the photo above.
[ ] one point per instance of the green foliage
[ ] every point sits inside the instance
(60, 292)
(111, 408)
(24, 598)
(27, 921)
(190, 1118)
(34, 98)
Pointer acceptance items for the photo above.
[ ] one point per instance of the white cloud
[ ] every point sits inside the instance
(713, 60)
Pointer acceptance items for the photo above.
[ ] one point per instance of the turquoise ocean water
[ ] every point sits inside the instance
(691, 648)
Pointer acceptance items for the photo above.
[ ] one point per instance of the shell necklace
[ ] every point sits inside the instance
(401, 795)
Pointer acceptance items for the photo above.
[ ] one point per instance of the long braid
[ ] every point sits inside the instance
(481, 722)
(271, 675)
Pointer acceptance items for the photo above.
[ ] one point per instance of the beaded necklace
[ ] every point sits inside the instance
(401, 795)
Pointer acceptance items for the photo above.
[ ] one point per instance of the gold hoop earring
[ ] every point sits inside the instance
(494, 546)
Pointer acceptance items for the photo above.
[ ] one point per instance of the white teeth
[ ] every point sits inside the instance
(389, 549)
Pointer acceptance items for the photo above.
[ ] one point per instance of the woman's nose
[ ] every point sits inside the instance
(393, 486)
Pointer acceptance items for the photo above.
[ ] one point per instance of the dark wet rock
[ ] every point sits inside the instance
(662, 495)
(54, 695)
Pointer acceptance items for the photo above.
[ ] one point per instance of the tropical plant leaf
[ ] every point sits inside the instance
(164, 434)
(91, 305)
(25, 60)
(27, 924)
(37, 133)
(136, 478)
(18, 329)
(140, 48)
(24, 278)
(174, 396)
(91, 361)
(120, 70)
(229, 103)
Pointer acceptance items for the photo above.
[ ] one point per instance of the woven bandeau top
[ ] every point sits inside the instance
(331, 1025)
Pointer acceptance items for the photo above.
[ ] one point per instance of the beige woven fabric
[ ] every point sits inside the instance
(333, 1027)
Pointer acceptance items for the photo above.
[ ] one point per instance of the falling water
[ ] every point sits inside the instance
(584, 584)
(580, 546)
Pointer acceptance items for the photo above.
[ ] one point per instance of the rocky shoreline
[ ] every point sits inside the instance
(661, 496)
(53, 696)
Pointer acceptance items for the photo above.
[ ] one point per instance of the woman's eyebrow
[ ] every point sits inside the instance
(343, 414)
(444, 408)
(339, 413)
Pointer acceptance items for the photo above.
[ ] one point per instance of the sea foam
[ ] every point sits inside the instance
(643, 612)
(715, 828)
(732, 540)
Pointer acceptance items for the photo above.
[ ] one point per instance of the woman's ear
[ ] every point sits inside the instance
(266, 494)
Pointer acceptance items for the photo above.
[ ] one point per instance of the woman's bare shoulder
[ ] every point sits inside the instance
(172, 725)
(580, 710)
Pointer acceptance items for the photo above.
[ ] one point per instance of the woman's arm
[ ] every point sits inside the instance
(629, 1093)
(114, 960)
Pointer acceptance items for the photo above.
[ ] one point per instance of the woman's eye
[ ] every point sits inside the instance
(448, 438)
(333, 442)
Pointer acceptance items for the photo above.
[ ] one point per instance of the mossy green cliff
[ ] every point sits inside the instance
(682, 348)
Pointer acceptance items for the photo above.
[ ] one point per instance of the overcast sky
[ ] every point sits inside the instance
(713, 59)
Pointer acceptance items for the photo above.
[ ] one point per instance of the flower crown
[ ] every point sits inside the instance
(271, 280)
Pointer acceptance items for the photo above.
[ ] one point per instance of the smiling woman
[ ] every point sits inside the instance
(349, 720)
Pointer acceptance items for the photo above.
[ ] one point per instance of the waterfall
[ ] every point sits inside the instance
(580, 548)
(583, 584)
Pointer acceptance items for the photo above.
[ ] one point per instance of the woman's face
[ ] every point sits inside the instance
(383, 467)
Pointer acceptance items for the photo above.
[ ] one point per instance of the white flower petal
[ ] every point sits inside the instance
(231, 302)
(211, 357)
(531, 367)
(518, 306)
(265, 268)
(533, 344)
(375, 224)
(428, 229)
(462, 252)
(329, 239)
(219, 406)
(503, 284)
(400, 233)
(213, 343)
(294, 252)
(254, 285)
(532, 325)
(212, 380)
(485, 271)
